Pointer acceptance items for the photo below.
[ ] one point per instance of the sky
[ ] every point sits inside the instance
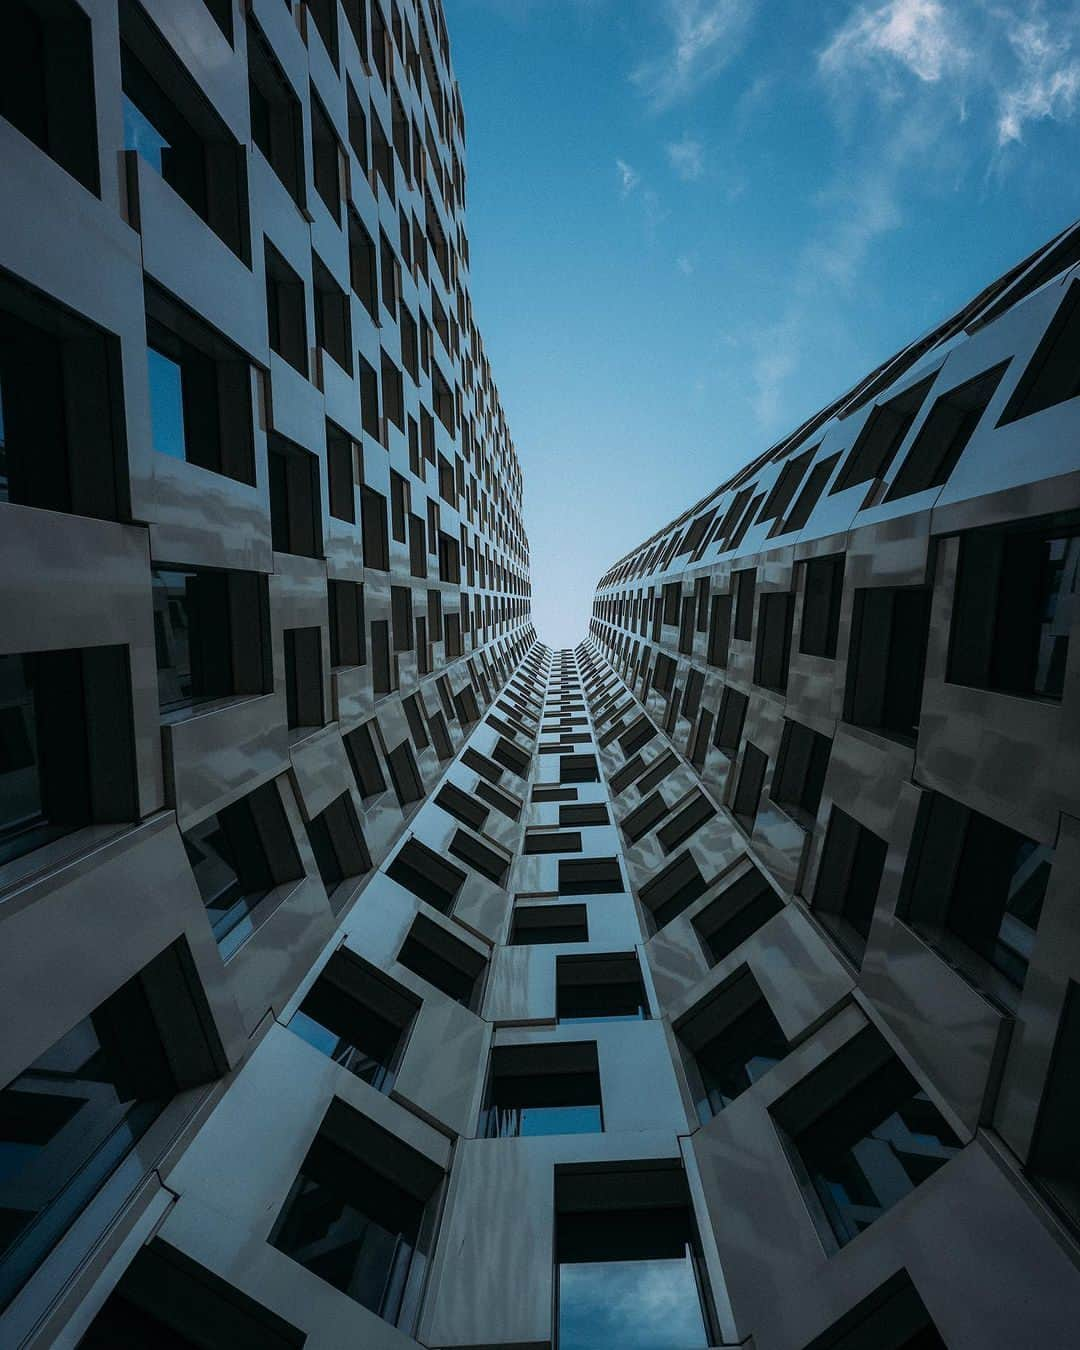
(695, 222)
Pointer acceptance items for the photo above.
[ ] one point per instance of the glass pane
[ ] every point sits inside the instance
(166, 404)
(635, 1305)
(142, 136)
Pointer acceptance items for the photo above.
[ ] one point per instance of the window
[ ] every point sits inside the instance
(621, 1232)
(600, 988)
(740, 909)
(743, 584)
(373, 525)
(340, 458)
(479, 857)
(1051, 376)
(69, 1120)
(1053, 1160)
(363, 269)
(401, 618)
(173, 128)
(511, 757)
(333, 326)
(881, 436)
(339, 846)
(276, 117)
(200, 391)
(47, 83)
(974, 879)
(729, 1040)
(62, 443)
(800, 772)
(428, 876)
(822, 593)
(324, 17)
(891, 1318)
(687, 821)
(540, 924)
(67, 752)
(944, 435)
(404, 774)
(364, 758)
(239, 856)
(393, 391)
(542, 1089)
(444, 961)
(589, 876)
(849, 874)
(295, 514)
(578, 769)
(504, 802)
(774, 641)
(865, 1132)
(286, 312)
(744, 807)
(361, 1214)
(637, 736)
(729, 722)
(325, 158)
(211, 635)
(544, 841)
(1013, 607)
(885, 666)
(358, 1018)
(673, 888)
(347, 636)
(586, 814)
(719, 631)
(810, 495)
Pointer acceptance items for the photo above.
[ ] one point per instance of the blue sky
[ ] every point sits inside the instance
(693, 222)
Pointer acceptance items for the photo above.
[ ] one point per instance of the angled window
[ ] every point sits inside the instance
(801, 765)
(340, 458)
(719, 631)
(822, 593)
(341, 852)
(686, 822)
(942, 438)
(363, 267)
(673, 888)
(333, 326)
(881, 437)
(578, 769)
(848, 878)
(461, 806)
(479, 857)
(599, 989)
(430, 877)
(444, 961)
(376, 540)
(809, 497)
(548, 841)
(1053, 373)
(1053, 1160)
(729, 721)
(777, 611)
(358, 1017)
(542, 1089)
(286, 310)
(277, 121)
(889, 631)
(535, 925)
(325, 158)
(364, 758)
(743, 584)
(744, 806)
(893, 1317)
(585, 814)
(739, 910)
(589, 876)
(346, 611)
(295, 511)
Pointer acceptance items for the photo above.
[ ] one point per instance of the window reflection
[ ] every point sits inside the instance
(636, 1305)
(142, 136)
(166, 404)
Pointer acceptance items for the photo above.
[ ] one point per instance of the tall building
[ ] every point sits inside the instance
(371, 974)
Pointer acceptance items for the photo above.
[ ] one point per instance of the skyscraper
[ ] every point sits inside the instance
(371, 974)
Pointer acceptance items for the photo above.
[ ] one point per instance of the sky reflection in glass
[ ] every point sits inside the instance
(635, 1305)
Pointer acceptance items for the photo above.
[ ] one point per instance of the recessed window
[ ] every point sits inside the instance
(774, 641)
(589, 876)
(809, 497)
(548, 841)
(893, 1317)
(347, 636)
(942, 438)
(211, 635)
(364, 758)
(286, 310)
(240, 856)
(881, 436)
(462, 806)
(848, 878)
(600, 989)
(737, 913)
(427, 875)
(730, 1040)
(303, 677)
(686, 822)
(822, 593)
(673, 889)
(324, 17)
(542, 1090)
(743, 584)
(971, 878)
(341, 453)
(729, 721)
(869, 1146)
(325, 158)
(341, 852)
(363, 268)
(889, 633)
(67, 752)
(578, 769)
(444, 961)
(719, 631)
(200, 391)
(744, 806)
(358, 1017)
(479, 857)
(277, 120)
(376, 539)
(535, 925)
(1054, 1161)
(1052, 375)
(502, 801)
(621, 1233)
(333, 325)
(74, 1115)
(1013, 607)
(801, 766)
(361, 1214)
(585, 814)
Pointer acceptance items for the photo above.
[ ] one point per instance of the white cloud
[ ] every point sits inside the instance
(687, 158)
(919, 35)
(629, 177)
(686, 264)
(704, 36)
(1048, 79)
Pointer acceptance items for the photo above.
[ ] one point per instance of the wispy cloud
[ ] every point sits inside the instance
(704, 36)
(687, 157)
(919, 36)
(629, 177)
(1048, 78)
(686, 263)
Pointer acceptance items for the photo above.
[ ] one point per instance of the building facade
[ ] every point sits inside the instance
(371, 974)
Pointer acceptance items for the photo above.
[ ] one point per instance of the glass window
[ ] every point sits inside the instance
(542, 1089)
(600, 988)
(142, 136)
(166, 404)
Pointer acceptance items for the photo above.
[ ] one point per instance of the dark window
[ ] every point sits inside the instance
(578, 769)
(360, 1212)
(1054, 1160)
(373, 525)
(73, 1116)
(479, 857)
(881, 436)
(401, 618)
(800, 772)
(444, 961)
(586, 814)
(427, 875)
(333, 326)
(891, 1318)
(822, 593)
(889, 631)
(686, 822)
(541, 924)
(544, 841)
(848, 878)
(461, 806)
(340, 458)
(1013, 607)
(774, 641)
(731, 1040)
(277, 121)
(393, 392)
(600, 988)
(974, 878)
(743, 588)
(325, 158)
(589, 876)
(211, 635)
(511, 757)
(363, 269)
(338, 844)
(748, 789)
(358, 1017)
(1053, 374)
(347, 636)
(239, 856)
(661, 766)
(200, 391)
(171, 125)
(47, 83)
(542, 1089)
(324, 17)
(295, 514)
(674, 888)
(504, 802)
(719, 631)
(810, 495)
(738, 911)
(364, 758)
(943, 436)
(286, 313)
(67, 751)
(873, 1143)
